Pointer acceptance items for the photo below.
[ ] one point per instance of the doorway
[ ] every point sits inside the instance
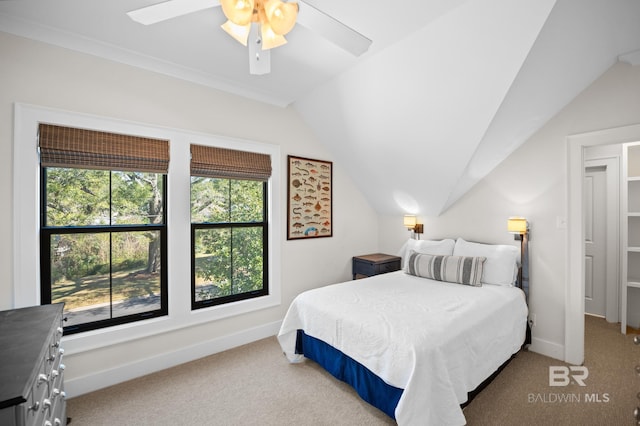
(574, 300)
(601, 234)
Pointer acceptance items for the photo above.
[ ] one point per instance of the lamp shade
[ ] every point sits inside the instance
(240, 12)
(410, 221)
(239, 32)
(517, 225)
(282, 16)
(269, 38)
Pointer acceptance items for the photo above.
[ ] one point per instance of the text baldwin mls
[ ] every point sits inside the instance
(560, 375)
(567, 398)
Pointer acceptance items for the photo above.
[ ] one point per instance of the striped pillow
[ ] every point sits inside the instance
(455, 269)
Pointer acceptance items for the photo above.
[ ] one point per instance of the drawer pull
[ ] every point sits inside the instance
(35, 406)
(46, 404)
(55, 373)
(57, 392)
(47, 423)
(61, 367)
(61, 351)
(42, 378)
(57, 422)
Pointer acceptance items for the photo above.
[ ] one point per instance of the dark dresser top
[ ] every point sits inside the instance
(24, 336)
(378, 257)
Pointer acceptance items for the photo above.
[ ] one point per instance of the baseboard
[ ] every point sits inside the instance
(546, 348)
(102, 379)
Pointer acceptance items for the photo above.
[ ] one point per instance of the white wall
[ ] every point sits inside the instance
(532, 182)
(39, 74)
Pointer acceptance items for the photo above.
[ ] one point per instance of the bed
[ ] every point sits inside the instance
(415, 342)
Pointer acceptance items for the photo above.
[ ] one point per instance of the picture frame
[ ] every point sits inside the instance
(309, 198)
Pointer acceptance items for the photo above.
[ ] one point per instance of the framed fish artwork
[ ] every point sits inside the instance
(309, 198)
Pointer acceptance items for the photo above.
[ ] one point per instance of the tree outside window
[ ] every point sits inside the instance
(103, 236)
(228, 240)
(102, 244)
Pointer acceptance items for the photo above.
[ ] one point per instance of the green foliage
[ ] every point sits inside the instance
(137, 198)
(229, 258)
(226, 200)
(74, 256)
(79, 197)
(229, 246)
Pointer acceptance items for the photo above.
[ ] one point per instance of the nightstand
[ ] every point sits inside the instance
(373, 264)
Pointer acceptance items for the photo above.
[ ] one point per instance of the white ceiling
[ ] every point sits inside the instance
(447, 90)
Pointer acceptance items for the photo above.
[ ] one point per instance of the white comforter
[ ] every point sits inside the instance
(435, 340)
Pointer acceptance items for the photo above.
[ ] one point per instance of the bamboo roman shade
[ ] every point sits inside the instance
(208, 161)
(80, 148)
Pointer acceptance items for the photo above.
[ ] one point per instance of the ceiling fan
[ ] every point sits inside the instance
(261, 24)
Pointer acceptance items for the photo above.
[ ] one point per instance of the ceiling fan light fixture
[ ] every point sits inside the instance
(240, 12)
(238, 32)
(246, 19)
(281, 16)
(269, 38)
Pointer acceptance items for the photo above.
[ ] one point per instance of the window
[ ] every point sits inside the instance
(26, 206)
(103, 236)
(229, 228)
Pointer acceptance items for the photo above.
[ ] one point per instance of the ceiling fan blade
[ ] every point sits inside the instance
(169, 9)
(332, 29)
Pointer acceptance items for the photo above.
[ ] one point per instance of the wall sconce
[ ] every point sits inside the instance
(411, 223)
(520, 227)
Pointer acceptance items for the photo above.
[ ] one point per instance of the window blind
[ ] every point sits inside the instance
(81, 148)
(214, 162)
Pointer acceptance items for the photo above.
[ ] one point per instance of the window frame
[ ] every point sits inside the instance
(47, 231)
(26, 253)
(264, 224)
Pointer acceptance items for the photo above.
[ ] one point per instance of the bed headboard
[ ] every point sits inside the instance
(523, 272)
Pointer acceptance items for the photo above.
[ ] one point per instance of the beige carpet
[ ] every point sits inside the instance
(521, 393)
(255, 385)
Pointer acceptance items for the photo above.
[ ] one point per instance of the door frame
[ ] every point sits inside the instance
(612, 259)
(574, 295)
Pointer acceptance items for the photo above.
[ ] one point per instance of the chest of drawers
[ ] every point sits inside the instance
(31, 368)
(373, 264)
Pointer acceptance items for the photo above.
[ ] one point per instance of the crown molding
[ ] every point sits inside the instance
(79, 43)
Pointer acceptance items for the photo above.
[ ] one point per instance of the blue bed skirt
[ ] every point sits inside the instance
(370, 387)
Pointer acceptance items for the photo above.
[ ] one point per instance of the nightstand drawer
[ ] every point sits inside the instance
(374, 264)
(392, 266)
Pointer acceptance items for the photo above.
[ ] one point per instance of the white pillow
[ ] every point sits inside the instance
(434, 247)
(501, 265)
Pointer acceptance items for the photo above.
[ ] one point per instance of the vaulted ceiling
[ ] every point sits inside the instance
(447, 90)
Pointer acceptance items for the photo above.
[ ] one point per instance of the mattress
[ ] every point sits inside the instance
(433, 340)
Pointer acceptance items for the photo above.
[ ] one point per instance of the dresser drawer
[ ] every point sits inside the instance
(54, 405)
(58, 409)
